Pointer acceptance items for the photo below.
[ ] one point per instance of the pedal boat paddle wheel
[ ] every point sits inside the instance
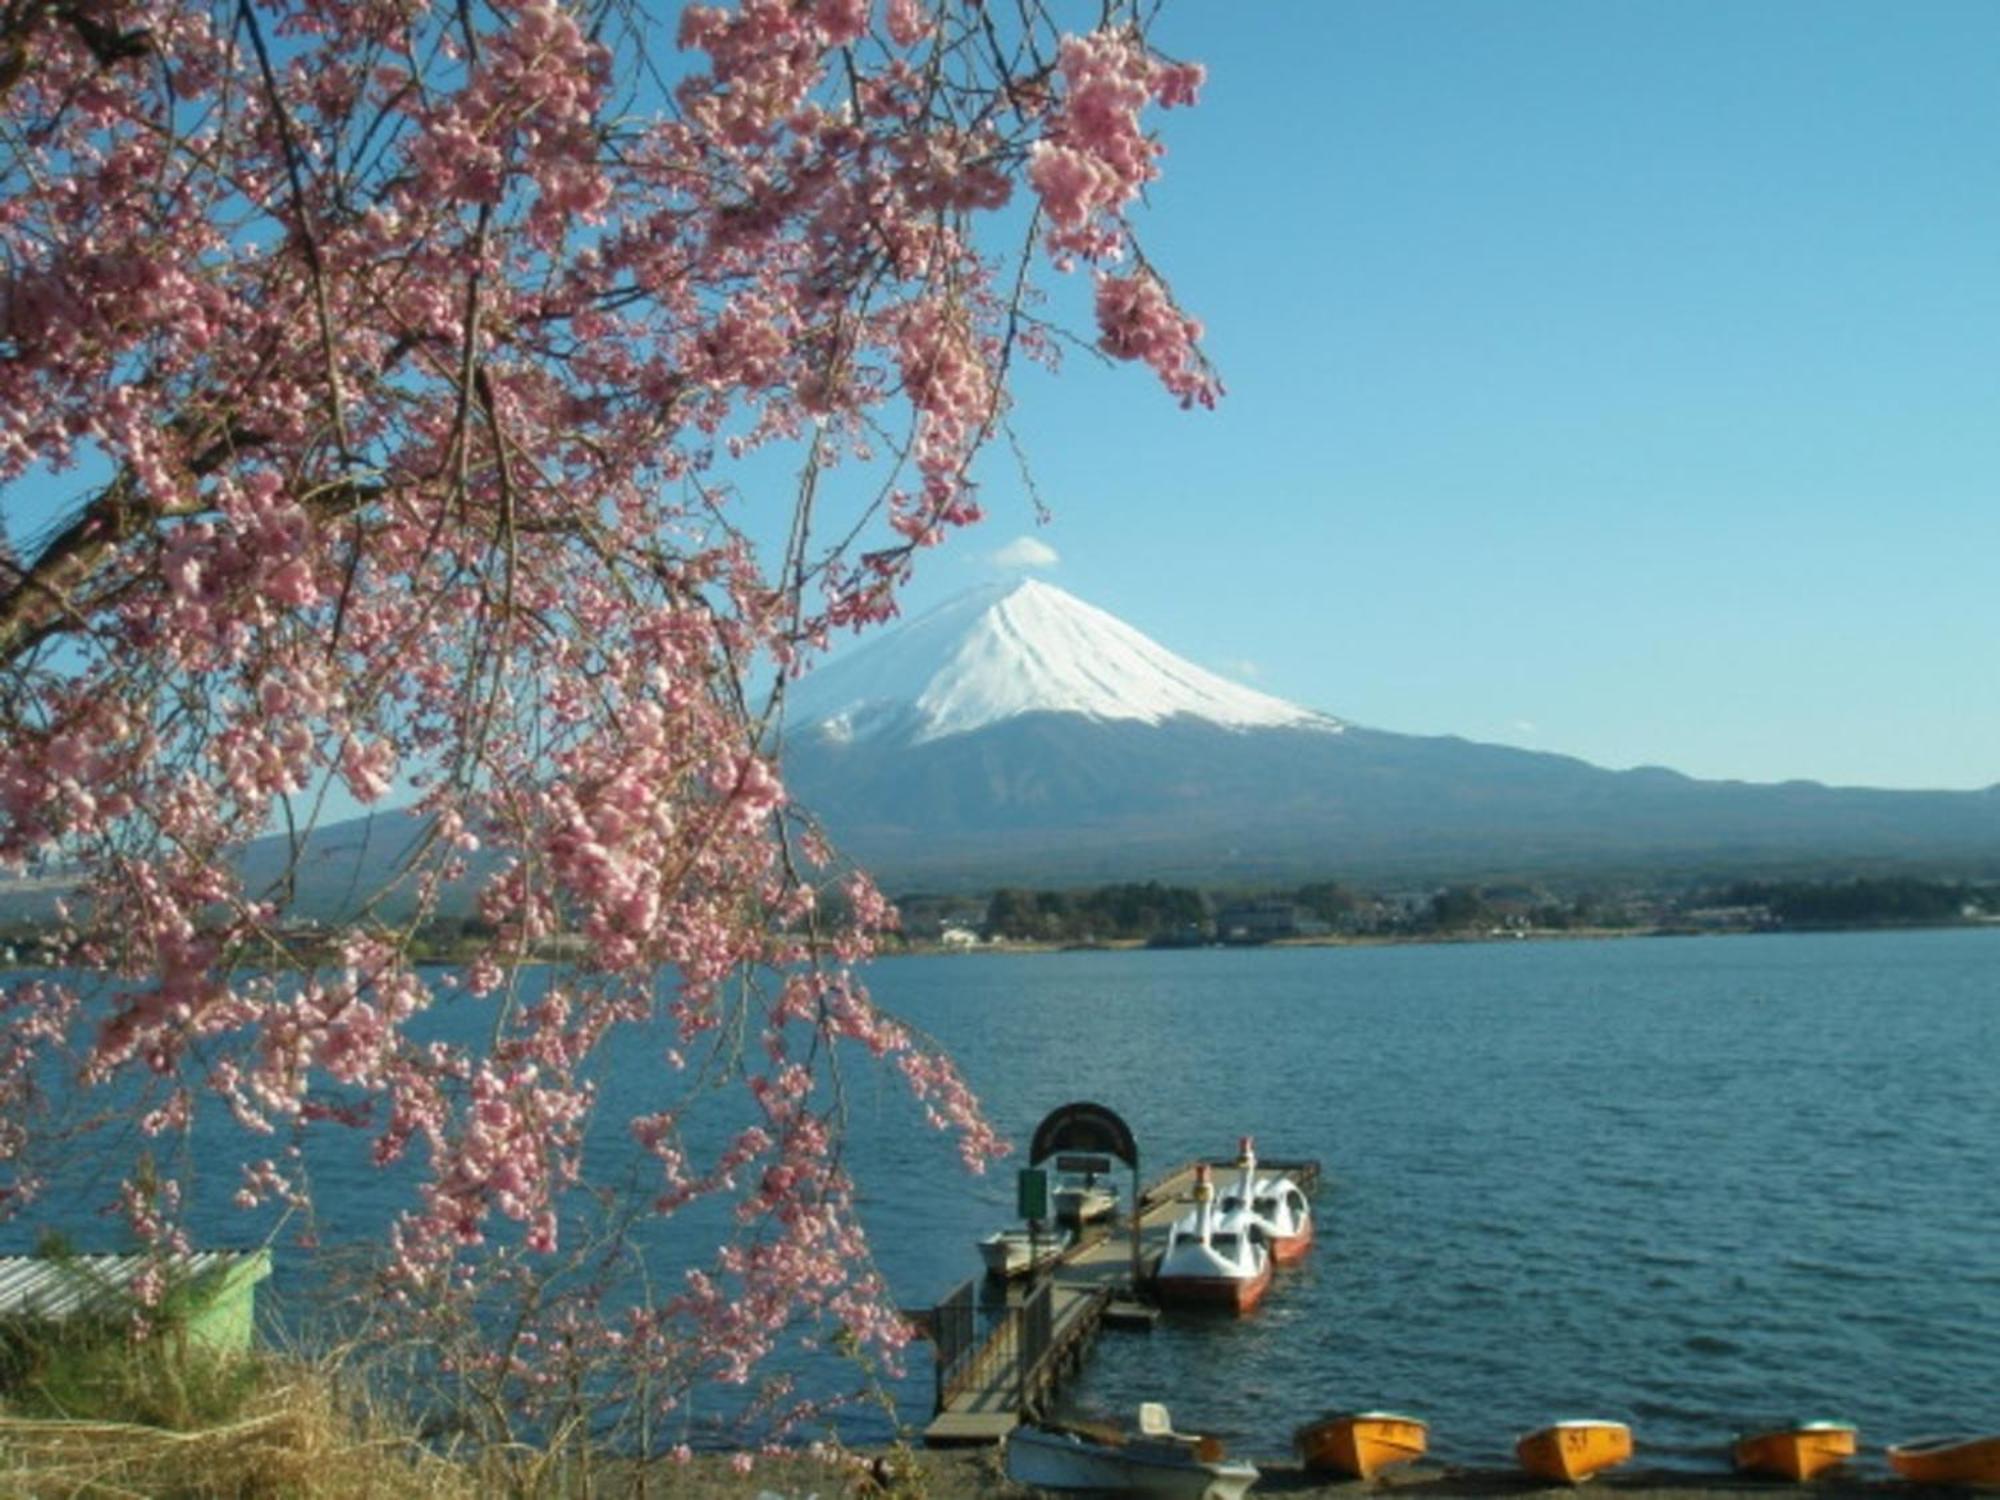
(1570, 1452)
(1796, 1451)
(1212, 1260)
(1277, 1204)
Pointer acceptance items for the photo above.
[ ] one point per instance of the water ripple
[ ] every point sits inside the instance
(1696, 1184)
(1581, 1189)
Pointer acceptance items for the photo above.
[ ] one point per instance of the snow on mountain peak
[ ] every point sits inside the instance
(1016, 648)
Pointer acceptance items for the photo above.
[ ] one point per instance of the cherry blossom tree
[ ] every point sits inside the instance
(489, 406)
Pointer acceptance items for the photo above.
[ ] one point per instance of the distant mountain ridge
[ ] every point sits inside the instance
(1019, 734)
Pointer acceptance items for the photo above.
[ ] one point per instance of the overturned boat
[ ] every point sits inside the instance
(1570, 1452)
(1796, 1450)
(1361, 1443)
(1948, 1460)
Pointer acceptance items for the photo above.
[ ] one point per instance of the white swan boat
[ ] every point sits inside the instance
(1158, 1462)
(1213, 1259)
(1277, 1205)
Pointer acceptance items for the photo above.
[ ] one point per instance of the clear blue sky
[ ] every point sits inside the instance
(1616, 377)
(1608, 377)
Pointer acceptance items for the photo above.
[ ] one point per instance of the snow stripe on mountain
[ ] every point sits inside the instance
(1017, 648)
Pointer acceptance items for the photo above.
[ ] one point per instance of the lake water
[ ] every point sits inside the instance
(1688, 1183)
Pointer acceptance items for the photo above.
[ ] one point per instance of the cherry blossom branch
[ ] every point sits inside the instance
(302, 222)
(440, 355)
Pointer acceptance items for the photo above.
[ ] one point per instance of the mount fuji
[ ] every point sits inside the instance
(1017, 734)
(1008, 650)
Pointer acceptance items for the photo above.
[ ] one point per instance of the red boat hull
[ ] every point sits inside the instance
(1292, 1247)
(1239, 1293)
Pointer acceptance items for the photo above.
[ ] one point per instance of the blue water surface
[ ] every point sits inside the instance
(1689, 1183)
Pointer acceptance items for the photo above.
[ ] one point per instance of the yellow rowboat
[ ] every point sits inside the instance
(1799, 1451)
(1948, 1460)
(1570, 1452)
(1360, 1443)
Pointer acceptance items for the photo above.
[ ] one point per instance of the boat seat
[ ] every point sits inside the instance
(1155, 1426)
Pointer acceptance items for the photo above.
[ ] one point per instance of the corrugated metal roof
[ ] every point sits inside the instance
(40, 1286)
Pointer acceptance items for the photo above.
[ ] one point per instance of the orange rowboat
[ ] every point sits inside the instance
(1570, 1452)
(1800, 1451)
(1360, 1443)
(1948, 1460)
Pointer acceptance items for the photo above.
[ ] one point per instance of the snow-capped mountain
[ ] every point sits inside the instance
(1016, 648)
(1020, 735)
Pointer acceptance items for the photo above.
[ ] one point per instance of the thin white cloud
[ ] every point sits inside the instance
(1243, 667)
(1026, 552)
(1525, 726)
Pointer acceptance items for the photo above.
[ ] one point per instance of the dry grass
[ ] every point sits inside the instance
(297, 1436)
(87, 1412)
(309, 1433)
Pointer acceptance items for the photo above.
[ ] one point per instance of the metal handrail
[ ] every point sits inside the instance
(1034, 1322)
(956, 1329)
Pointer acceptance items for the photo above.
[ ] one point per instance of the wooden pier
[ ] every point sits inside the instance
(1001, 1362)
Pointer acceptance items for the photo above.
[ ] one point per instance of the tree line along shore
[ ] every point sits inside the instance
(1323, 913)
(1331, 912)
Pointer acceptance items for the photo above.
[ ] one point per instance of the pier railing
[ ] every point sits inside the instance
(1000, 1362)
(955, 1328)
(1034, 1333)
(1005, 1350)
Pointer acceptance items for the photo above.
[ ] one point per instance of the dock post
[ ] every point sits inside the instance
(1137, 1214)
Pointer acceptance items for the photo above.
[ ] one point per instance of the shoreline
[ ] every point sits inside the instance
(978, 1474)
(1413, 940)
(1009, 946)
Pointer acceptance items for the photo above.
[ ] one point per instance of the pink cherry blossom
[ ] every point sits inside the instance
(1137, 319)
(424, 377)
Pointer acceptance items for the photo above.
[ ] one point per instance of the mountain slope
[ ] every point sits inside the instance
(1021, 648)
(920, 788)
(1017, 735)
(1050, 798)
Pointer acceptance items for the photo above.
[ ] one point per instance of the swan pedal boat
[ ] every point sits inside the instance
(1948, 1460)
(1276, 1205)
(1360, 1443)
(1159, 1462)
(1797, 1451)
(1213, 1260)
(1570, 1452)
